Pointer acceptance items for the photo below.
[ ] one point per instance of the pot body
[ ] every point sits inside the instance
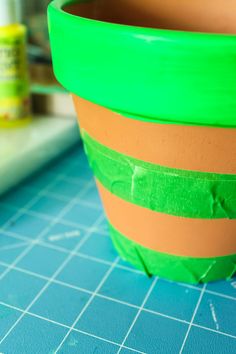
(168, 192)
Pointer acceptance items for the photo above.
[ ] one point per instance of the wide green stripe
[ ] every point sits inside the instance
(177, 268)
(167, 190)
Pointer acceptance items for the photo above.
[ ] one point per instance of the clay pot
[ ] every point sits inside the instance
(163, 151)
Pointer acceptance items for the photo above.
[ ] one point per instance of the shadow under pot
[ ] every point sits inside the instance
(158, 121)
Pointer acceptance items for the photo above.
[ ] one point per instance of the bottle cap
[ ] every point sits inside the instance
(8, 12)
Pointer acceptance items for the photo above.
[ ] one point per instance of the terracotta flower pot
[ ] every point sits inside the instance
(163, 151)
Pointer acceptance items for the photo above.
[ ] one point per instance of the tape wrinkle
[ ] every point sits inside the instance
(233, 272)
(194, 278)
(219, 204)
(142, 261)
(135, 175)
(141, 182)
(208, 270)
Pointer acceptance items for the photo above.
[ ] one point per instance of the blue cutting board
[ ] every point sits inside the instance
(64, 289)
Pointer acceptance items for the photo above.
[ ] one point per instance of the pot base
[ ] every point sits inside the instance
(176, 268)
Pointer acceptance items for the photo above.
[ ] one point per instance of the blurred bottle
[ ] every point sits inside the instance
(14, 81)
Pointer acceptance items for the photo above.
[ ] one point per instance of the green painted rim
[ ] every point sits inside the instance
(166, 190)
(150, 74)
(177, 268)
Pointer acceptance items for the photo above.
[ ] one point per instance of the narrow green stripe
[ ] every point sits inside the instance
(167, 190)
(177, 268)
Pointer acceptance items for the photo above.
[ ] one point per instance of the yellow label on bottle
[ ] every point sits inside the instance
(14, 85)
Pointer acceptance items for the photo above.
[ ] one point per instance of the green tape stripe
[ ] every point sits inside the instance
(167, 190)
(177, 268)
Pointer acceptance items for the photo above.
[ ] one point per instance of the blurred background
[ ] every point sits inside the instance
(47, 95)
(52, 129)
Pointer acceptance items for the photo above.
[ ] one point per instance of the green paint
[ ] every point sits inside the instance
(177, 268)
(149, 74)
(166, 190)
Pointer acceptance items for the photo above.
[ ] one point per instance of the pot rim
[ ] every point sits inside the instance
(150, 74)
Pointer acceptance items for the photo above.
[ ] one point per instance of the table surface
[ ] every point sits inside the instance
(28, 148)
(64, 289)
